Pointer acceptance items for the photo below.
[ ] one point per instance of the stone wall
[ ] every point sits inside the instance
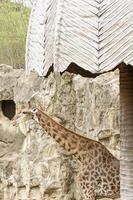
(32, 165)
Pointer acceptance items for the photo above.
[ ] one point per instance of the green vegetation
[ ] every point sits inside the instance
(13, 30)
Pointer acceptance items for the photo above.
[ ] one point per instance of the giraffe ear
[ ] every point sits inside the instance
(28, 105)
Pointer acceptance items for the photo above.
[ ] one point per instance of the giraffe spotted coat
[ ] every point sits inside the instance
(99, 174)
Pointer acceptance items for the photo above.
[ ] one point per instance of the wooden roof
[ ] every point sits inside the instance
(97, 35)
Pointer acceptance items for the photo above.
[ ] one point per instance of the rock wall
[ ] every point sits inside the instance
(32, 165)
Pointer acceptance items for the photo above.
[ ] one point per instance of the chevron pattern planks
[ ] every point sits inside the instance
(116, 34)
(97, 35)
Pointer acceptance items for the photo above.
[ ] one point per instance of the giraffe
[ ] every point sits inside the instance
(99, 174)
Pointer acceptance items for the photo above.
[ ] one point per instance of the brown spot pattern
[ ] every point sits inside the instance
(99, 175)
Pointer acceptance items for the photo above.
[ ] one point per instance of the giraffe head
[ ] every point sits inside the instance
(23, 114)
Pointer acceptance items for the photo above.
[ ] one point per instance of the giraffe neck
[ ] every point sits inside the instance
(69, 140)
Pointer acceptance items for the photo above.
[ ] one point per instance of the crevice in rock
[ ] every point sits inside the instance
(1, 141)
(8, 108)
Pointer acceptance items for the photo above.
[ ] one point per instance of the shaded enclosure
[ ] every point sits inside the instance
(81, 37)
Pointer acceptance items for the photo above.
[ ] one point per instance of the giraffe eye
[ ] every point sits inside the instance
(24, 112)
(34, 110)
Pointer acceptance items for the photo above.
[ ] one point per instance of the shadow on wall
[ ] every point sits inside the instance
(74, 69)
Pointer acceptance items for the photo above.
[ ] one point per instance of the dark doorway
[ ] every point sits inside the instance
(8, 108)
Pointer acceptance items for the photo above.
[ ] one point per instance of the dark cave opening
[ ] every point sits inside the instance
(8, 108)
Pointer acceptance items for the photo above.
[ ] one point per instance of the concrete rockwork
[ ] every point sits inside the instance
(32, 165)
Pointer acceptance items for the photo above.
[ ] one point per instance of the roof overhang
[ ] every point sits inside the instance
(96, 35)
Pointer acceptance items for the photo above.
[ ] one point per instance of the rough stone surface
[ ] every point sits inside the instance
(32, 165)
